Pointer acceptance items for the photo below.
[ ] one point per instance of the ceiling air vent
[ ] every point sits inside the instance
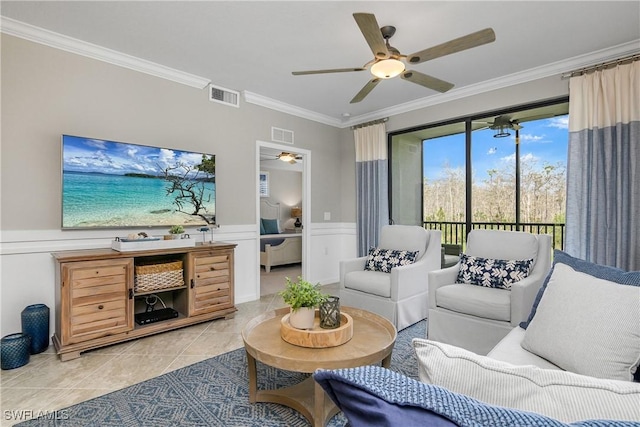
(281, 135)
(224, 96)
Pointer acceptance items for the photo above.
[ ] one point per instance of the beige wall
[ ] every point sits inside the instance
(47, 92)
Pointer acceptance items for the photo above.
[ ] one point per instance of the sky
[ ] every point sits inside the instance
(542, 141)
(117, 158)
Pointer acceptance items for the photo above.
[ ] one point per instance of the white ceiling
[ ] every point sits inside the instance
(254, 46)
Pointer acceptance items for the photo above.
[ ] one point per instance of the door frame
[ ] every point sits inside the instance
(306, 204)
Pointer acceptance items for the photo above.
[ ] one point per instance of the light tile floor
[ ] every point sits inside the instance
(46, 384)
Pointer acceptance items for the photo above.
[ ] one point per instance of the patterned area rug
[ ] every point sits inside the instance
(213, 392)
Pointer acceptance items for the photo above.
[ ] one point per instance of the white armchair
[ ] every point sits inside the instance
(476, 317)
(401, 295)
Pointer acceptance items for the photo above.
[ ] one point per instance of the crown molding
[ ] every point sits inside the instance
(554, 69)
(49, 38)
(274, 104)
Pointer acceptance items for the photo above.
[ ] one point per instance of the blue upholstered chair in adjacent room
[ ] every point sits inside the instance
(400, 295)
(477, 316)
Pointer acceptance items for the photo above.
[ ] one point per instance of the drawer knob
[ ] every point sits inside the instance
(212, 268)
(100, 307)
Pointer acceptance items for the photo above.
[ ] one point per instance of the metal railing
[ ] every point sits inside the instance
(456, 232)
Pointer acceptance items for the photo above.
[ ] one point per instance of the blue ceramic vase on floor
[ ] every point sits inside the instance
(35, 323)
(14, 350)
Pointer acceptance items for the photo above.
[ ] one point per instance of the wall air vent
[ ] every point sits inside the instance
(224, 96)
(281, 135)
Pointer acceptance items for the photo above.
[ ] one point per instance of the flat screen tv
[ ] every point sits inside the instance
(108, 184)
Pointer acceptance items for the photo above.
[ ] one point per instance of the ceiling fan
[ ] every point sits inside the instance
(388, 62)
(289, 157)
(502, 125)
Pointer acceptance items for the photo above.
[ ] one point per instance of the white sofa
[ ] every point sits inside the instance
(537, 386)
(588, 317)
(510, 350)
(576, 359)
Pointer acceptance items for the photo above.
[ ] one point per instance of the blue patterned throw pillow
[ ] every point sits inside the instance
(492, 273)
(385, 259)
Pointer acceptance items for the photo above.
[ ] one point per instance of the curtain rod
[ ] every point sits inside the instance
(372, 122)
(601, 66)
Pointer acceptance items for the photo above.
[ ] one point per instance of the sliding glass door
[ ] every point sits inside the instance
(494, 174)
(500, 170)
(406, 165)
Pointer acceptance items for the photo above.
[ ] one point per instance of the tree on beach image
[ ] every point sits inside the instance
(187, 184)
(208, 165)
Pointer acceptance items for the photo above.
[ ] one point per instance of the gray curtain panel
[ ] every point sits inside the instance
(603, 167)
(372, 209)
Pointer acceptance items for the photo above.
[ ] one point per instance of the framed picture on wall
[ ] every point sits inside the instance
(264, 184)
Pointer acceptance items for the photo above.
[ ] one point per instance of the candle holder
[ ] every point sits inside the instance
(330, 313)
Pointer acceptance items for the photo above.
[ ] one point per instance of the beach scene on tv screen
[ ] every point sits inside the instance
(115, 184)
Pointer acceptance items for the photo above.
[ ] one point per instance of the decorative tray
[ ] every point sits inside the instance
(317, 337)
(125, 245)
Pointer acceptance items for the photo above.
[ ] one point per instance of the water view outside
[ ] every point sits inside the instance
(112, 184)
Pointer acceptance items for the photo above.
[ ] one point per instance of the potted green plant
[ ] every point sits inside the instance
(175, 231)
(303, 298)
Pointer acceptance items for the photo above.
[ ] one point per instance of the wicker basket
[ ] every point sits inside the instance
(154, 277)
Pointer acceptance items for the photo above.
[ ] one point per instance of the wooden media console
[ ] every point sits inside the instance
(97, 298)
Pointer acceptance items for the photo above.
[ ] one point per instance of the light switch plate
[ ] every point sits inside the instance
(327, 216)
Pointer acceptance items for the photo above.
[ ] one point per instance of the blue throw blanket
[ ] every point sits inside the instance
(371, 395)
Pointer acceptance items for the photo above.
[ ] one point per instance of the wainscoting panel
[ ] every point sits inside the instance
(28, 277)
(330, 243)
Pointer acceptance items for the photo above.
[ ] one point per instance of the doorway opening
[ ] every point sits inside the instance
(282, 214)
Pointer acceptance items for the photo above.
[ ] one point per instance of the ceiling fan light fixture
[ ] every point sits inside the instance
(387, 68)
(286, 157)
(501, 132)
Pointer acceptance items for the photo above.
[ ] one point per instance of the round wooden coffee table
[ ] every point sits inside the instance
(372, 342)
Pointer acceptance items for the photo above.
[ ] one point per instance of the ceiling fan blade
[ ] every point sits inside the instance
(334, 70)
(365, 90)
(426, 81)
(371, 32)
(456, 45)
